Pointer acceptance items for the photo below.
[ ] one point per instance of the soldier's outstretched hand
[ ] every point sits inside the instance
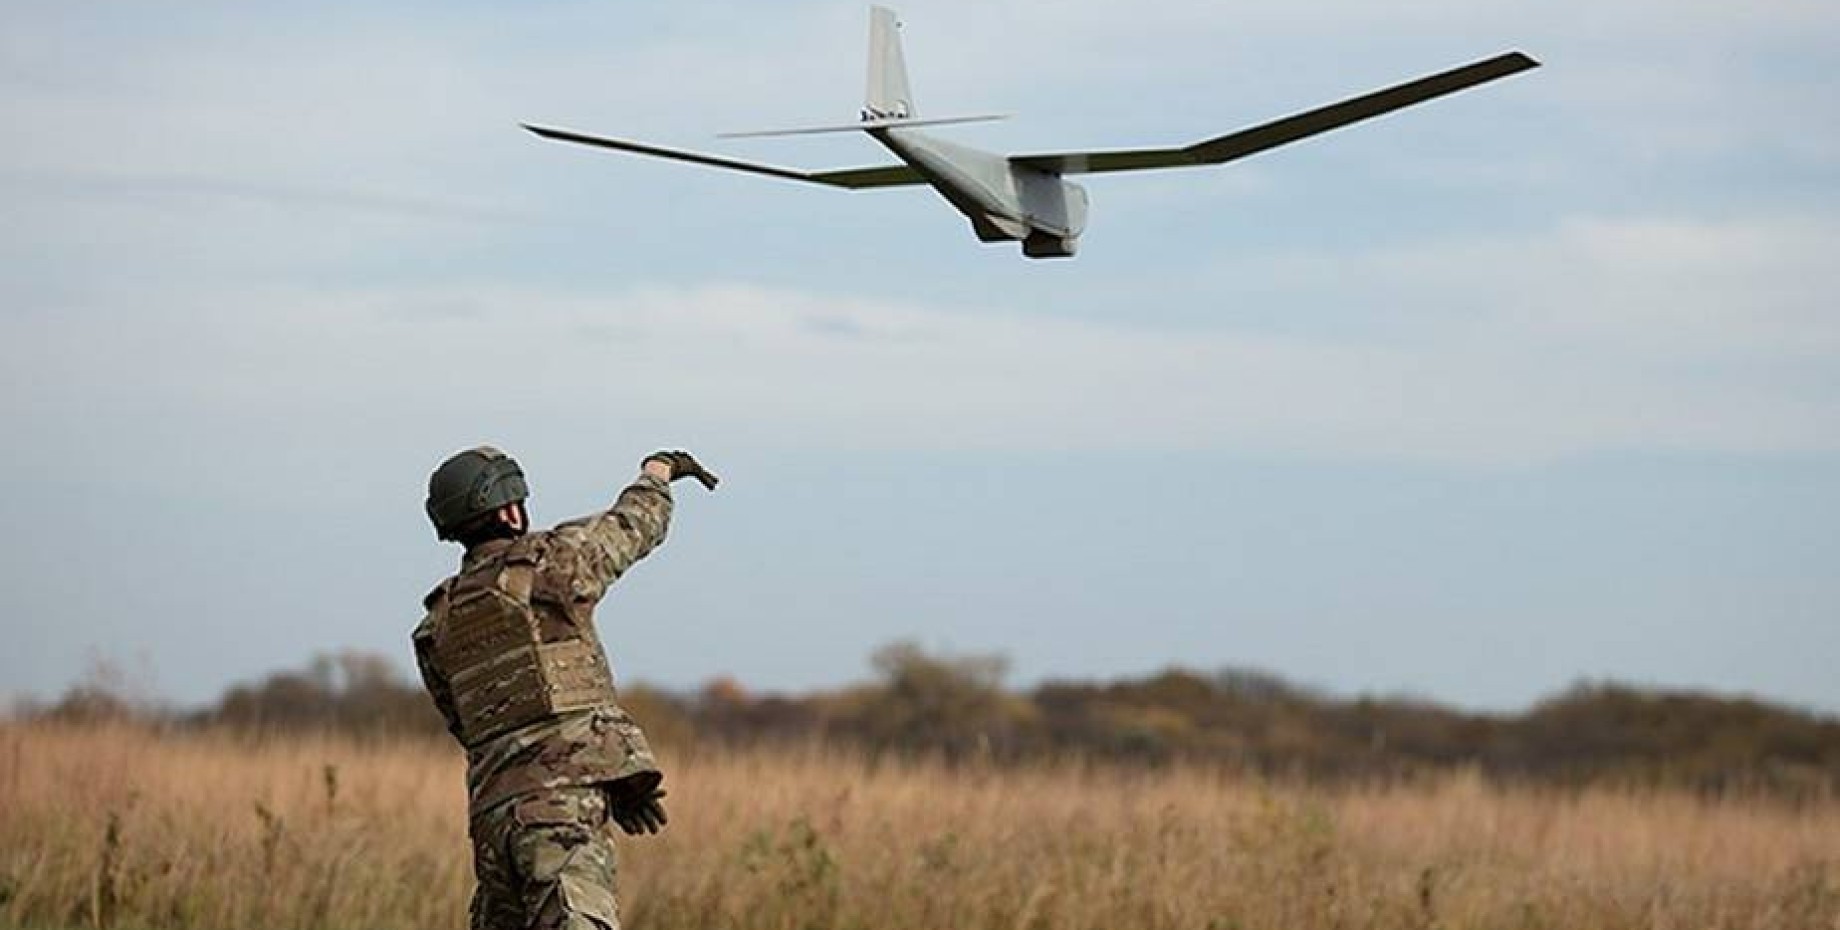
(640, 813)
(684, 465)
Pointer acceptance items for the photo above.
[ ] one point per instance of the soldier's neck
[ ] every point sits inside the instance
(485, 549)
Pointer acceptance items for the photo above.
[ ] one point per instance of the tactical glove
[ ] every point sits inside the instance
(684, 465)
(640, 813)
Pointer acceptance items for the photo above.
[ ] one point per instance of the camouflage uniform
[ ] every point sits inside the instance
(539, 789)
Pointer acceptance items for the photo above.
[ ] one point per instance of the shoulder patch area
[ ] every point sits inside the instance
(569, 528)
(527, 549)
(565, 538)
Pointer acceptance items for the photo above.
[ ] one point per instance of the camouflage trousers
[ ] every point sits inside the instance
(545, 862)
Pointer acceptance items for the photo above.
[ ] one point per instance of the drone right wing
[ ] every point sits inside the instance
(1289, 129)
(890, 176)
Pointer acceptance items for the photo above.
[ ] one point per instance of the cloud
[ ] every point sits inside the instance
(1599, 336)
(120, 186)
(189, 164)
(1646, 288)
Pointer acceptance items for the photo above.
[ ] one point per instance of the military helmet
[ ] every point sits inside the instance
(471, 484)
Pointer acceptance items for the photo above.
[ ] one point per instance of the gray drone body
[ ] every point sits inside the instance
(1027, 198)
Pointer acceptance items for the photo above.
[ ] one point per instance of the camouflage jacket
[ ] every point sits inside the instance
(578, 561)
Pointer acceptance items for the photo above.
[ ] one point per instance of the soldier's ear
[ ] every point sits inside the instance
(514, 516)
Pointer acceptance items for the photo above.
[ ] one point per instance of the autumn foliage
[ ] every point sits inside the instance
(957, 708)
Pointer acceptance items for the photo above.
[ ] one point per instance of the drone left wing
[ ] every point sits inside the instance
(1289, 129)
(890, 176)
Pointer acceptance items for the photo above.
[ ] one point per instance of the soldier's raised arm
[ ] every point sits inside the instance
(610, 541)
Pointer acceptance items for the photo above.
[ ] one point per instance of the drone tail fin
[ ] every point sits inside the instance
(888, 96)
(889, 104)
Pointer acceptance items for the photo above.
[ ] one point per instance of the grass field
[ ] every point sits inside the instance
(122, 827)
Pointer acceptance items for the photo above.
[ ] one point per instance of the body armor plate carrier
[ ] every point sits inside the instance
(489, 643)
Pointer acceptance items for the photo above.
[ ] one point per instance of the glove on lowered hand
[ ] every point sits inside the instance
(640, 813)
(684, 465)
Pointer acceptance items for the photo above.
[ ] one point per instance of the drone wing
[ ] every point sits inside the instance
(1289, 129)
(891, 176)
(859, 178)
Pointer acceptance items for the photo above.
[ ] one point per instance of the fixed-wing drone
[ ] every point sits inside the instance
(1027, 198)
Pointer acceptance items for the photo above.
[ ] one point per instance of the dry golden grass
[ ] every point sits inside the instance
(126, 828)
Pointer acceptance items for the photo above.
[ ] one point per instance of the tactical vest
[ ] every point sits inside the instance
(513, 656)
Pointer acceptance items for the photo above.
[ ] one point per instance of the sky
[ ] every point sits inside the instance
(1535, 384)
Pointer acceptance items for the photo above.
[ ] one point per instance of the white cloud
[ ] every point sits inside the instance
(1657, 331)
(288, 250)
(1602, 336)
(1670, 289)
(247, 96)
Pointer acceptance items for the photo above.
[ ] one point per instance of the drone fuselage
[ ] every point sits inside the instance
(1004, 201)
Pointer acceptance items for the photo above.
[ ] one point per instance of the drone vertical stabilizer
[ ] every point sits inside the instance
(888, 96)
(888, 104)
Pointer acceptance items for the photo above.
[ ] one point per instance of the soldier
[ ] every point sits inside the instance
(509, 653)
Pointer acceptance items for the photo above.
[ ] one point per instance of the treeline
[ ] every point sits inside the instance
(957, 707)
